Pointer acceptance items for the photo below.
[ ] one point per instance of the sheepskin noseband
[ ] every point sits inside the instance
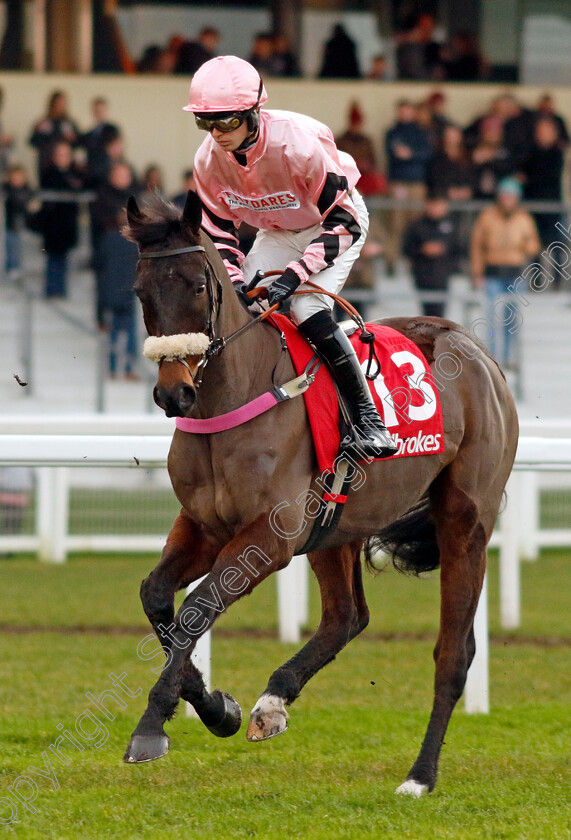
(171, 347)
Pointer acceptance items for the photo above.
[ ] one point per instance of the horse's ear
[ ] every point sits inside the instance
(192, 213)
(134, 215)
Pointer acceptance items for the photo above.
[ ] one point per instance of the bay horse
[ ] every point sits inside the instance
(433, 510)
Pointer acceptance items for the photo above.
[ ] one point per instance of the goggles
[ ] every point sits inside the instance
(229, 123)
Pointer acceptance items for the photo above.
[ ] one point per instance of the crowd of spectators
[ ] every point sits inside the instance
(426, 152)
(426, 160)
(431, 165)
(71, 165)
(420, 53)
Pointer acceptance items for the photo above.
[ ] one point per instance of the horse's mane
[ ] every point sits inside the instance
(160, 220)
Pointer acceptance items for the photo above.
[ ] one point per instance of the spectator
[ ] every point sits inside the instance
(151, 60)
(187, 184)
(59, 219)
(437, 105)
(262, 55)
(418, 53)
(450, 171)
(503, 241)
(117, 260)
(6, 140)
(193, 54)
(340, 56)
(18, 206)
(55, 126)
(546, 108)
(462, 58)
(432, 246)
(424, 118)
(96, 139)
(115, 153)
(360, 147)
(169, 57)
(542, 171)
(490, 159)
(518, 134)
(408, 152)
(503, 108)
(153, 180)
(378, 69)
(284, 61)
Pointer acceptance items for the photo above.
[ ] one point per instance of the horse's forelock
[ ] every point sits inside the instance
(160, 220)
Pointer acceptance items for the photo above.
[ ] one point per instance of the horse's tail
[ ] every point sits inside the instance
(410, 540)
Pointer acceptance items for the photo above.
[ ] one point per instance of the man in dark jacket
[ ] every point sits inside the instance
(408, 151)
(543, 171)
(117, 261)
(95, 142)
(431, 244)
(59, 218)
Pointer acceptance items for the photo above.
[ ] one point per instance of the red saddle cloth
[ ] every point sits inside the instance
(404, 393)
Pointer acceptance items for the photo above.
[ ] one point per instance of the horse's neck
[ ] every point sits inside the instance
(243, 370)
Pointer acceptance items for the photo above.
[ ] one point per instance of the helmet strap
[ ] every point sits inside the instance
(253, 124)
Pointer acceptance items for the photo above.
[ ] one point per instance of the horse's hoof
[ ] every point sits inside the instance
(231, 719)
(146, 748)
(412, 788)
(268, 718)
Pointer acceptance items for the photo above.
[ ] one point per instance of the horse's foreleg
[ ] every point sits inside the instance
(189, 554)
(462, 543)
(239, 567)
(344, 615)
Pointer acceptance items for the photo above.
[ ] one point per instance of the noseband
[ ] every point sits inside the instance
(176, 347)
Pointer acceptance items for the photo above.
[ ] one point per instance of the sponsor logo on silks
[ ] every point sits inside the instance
(263, 203)
(417, 444)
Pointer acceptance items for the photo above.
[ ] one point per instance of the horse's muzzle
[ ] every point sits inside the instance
(177, 401)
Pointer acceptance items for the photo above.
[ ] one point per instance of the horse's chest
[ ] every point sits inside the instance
(226, 490)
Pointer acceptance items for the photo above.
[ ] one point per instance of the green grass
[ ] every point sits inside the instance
(151, 510)
(353, 733)
(104, 590)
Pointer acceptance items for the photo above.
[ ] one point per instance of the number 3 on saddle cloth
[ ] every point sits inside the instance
(406, 398)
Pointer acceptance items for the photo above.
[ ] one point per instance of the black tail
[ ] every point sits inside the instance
(410, 540)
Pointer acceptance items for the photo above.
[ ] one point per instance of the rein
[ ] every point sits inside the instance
(154, 347)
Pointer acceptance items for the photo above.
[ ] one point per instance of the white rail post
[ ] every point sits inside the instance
(529, 516)
(201, 656)
(510, 586)
(52, 513)
(289, 602)
(477, 690)
(303, 584)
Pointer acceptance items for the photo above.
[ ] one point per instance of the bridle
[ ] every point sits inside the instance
(214, 291)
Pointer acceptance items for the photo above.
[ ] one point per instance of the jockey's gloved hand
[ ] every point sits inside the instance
(282, 288)
(240, 288)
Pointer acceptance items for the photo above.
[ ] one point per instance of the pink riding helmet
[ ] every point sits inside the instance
(225, 83)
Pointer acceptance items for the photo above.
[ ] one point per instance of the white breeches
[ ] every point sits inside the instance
(274, 249)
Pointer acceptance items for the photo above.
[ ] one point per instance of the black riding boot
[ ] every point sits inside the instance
(333, 346)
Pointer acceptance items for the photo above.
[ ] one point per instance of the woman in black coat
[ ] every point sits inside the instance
(58, 219)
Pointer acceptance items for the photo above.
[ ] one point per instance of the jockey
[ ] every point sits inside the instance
(282, 173)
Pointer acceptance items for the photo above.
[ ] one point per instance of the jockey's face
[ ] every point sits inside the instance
(230, 140)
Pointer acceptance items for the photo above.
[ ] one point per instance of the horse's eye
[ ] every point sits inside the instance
(200, 289)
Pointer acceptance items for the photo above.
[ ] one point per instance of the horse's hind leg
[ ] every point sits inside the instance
(462, 542)
(344, 615)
